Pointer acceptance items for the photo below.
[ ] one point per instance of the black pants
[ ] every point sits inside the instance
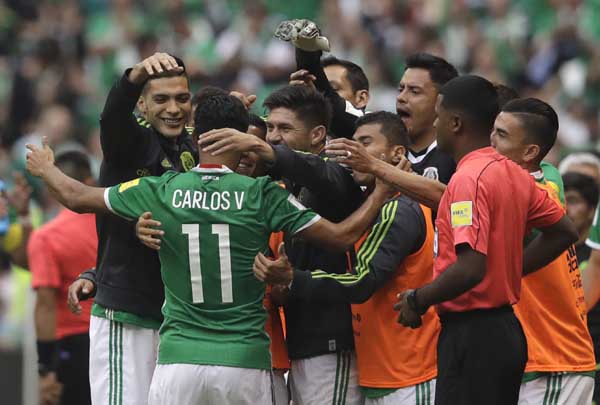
(73, 369)
(481, 358)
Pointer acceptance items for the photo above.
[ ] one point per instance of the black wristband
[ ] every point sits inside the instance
(47, 356)
(414, 304)
(89, 275)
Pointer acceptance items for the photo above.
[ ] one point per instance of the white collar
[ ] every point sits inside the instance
(538, 174)
(417, 159)
(212, 169)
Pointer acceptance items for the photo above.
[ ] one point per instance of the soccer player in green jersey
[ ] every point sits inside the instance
(213, 346)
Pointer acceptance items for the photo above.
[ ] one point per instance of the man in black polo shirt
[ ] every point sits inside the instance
(418, 89)
(126, 313)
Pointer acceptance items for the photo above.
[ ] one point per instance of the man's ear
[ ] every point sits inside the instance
(141, 106)
(318, 135)
(398, 151)
(456, 123)
(531, 153)
(361, 99)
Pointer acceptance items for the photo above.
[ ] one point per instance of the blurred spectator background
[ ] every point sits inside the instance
(58, 58)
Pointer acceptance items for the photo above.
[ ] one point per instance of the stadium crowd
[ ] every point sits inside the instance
(407, 125)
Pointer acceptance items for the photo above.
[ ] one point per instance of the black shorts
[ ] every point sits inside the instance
(73, 369)
(481, 357)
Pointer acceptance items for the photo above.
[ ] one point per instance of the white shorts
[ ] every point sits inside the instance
(122, 360)
(194, 384)
(420, 394)
(327, 379)
(558, 389)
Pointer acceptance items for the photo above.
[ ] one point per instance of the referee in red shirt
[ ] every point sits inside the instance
(487, 209)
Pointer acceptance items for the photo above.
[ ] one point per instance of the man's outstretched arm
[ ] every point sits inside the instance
(71, 193)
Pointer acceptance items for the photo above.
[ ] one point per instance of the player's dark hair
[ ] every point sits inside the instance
(475, 99)
(439, 69)
(220, 111)
(259, 123)
(538, 119)
(168, 73)
(74, 164)
(206, 92)
(505, 94)
(584, 185)
(354, 73)
(392, 126)
(309, 105)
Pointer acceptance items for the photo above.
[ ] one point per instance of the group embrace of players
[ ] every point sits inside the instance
(378, 258)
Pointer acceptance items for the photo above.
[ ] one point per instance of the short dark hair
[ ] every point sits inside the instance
(392, 126)
(220, 111)
(539, 120)
(74, 164)
(584, 185)
(168, 73)
(258, 122)
(354, 73)
(206, 92)
(309, 105)
(475, 98)
(440, 70)
(505, 94)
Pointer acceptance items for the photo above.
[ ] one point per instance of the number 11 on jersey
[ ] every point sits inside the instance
(193, 233)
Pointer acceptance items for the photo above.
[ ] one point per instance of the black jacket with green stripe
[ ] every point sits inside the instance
(128, 273)
(329, 189)
(399, 231)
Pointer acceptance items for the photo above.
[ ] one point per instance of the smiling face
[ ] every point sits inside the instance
(378, 146)
(249, 160)
(166, 104)
(284, 127)
(415, 102)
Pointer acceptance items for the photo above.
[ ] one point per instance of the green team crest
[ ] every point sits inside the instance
(187, 161)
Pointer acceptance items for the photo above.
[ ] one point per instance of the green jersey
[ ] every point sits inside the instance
(215, 222)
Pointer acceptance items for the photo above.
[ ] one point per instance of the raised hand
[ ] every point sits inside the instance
(155, 65)
(278, 271)
(352, 154)
(247, 100)
(39, 160)
(223, 140)
(303, 77)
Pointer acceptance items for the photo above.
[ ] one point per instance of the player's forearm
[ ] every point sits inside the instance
(468, 271)
(346, 233)
(73, 194)
(45, 315)
(425, 191)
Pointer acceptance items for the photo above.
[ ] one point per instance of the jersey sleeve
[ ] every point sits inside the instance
(543, 210)
(593, 239)
(470, 213)
(283, 212)
(132, 198)
(555, 181)
(399, 231)
(43, 264)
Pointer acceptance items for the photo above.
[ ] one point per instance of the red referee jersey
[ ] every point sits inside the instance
(490, 204)
(58, 252)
